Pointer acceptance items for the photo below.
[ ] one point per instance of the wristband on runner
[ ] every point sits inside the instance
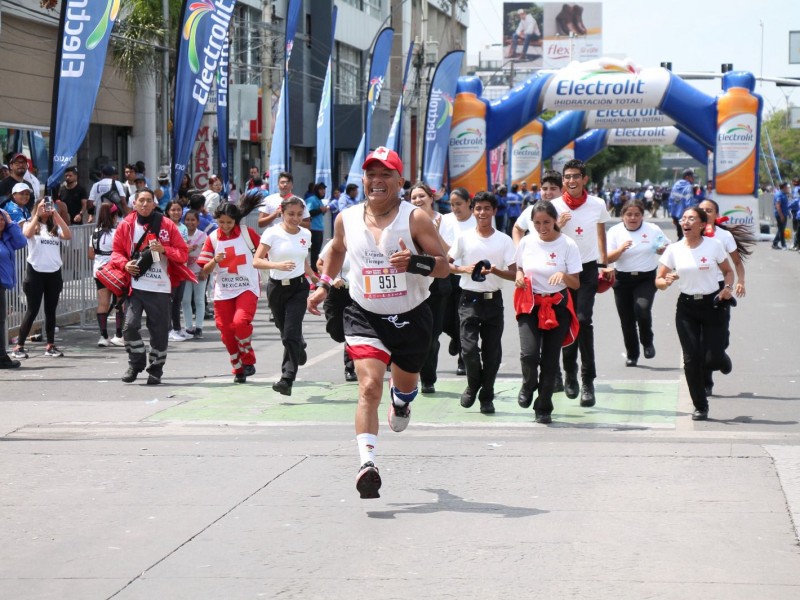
(420, 264)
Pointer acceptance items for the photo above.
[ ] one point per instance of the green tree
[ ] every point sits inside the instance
(136, 49)
(646, 158)
(785, 144)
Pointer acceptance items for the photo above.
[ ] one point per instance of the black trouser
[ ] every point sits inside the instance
(779, 238)
(38, 286)
(288, 306)
(725, 311)
(3, 328)
(481, 319)
(701, 331)
(336, 301)
(796, 229)
(633, 294)
(451, 323)
(437, 301)
(156, 305)
(175, 300)
(583, 301)
(676, 221)
(539, 350)
(316, 246)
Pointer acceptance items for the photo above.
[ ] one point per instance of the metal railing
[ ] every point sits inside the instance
(79, 296)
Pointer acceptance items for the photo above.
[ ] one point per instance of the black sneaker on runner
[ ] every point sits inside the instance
(368, 481)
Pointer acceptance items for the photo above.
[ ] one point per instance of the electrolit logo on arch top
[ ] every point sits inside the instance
(605, 83)
(736, 141)
(626, 117)
(642, 136)
(467, 145)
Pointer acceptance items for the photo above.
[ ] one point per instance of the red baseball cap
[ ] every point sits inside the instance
(17, 156)
(388, 158)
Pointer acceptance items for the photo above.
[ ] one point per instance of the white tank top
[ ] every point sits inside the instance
(374, 284)
(235, 274)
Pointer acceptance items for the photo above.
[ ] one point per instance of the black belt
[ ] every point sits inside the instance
(481, 295)
(697, 297)
(292, 281)
(624, 274)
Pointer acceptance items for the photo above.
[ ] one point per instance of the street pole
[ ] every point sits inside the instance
(165, 134)
(423, 88)
(266, 87)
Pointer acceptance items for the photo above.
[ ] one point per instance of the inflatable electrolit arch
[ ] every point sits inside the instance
(729, 124)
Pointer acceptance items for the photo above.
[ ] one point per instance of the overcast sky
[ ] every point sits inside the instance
(695, 35)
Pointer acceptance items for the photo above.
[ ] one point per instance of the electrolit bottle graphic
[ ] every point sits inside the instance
(526, 154)
(467, 152)
(561, 157)
(738, 110)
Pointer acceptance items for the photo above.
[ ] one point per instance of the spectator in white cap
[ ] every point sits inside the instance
(17, 205)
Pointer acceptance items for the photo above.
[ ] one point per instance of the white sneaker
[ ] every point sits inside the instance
(175, 336)
(185, 334)
(103, 342)
(116, 341)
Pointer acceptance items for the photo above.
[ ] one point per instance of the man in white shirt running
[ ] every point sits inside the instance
(582, 217)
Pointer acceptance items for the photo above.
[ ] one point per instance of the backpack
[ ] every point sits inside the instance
(112, 196)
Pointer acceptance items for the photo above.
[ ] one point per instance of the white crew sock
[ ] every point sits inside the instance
(366, 446)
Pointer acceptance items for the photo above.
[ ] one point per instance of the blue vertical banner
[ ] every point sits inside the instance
(279, 151)
(356, 172)
(324, 171)
(395, 139)
(379, 63)
(438, 118)
(201, 40)
(83, 33)
(223, 79)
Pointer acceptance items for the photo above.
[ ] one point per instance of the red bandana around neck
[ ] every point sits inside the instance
(574, 203)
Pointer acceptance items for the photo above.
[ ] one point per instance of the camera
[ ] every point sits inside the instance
(48, 204)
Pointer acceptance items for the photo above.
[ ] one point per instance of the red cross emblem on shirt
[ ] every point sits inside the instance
(704, 260)
(552, 255)
(232, 260)
(579, 230)
(644, 236)
(303, 242)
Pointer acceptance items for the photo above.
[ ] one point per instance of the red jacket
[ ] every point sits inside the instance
(175, 249)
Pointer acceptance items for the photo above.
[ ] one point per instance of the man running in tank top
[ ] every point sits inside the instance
(393, 249)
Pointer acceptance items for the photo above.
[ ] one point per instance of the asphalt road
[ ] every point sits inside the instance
(201, 489)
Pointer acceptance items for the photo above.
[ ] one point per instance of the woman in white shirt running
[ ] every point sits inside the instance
(694, 262)
(284, 250)
(548, 263)
(421, 196)
(100, 252)
(635, 245)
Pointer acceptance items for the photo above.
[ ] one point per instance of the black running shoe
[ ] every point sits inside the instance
(239, 378)
(368, 481)
(283, 387)
(130, 375)
(249, 370)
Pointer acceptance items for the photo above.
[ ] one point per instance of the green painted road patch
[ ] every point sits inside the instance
(650, 404)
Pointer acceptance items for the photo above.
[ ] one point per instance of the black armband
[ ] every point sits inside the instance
(325, 285)
(420, 264)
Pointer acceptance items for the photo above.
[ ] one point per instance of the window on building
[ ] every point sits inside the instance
(373, 8)
(349, 75)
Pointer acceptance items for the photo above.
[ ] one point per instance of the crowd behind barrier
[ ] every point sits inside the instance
(79, 295)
